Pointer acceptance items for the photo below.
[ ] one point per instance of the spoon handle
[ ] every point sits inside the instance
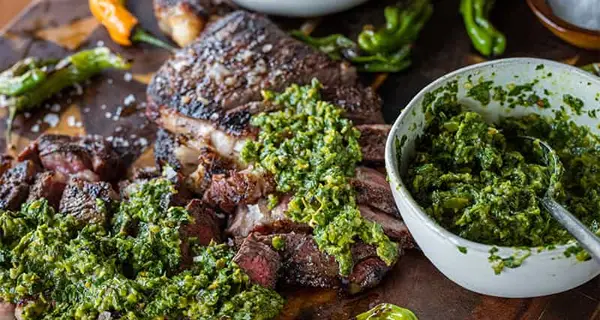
(586, 238)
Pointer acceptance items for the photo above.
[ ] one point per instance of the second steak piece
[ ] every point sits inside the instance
(89, 202)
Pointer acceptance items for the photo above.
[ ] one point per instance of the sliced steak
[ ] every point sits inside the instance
(238, 188)
(393, 227)
(90, 157)
(50, 186)
(259, 218)
(303, 264)
(259, 261)
(15, 183)
(204, 227)
(184, 20)
(372, 142)
(80, 199)
(209, 90)
(372, 189)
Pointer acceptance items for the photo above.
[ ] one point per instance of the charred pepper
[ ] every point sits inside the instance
(384, 50)
(592, 68)
(31, 81)
(121, 24)
(387, 311)
(484, 36)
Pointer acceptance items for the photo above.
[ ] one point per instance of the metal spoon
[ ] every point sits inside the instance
(588, 240)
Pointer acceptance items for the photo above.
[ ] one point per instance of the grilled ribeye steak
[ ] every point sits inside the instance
(304, 264)
(15, 183)
(184, 20)
(90, 158)
(89, 202)
(209, 90)
(372, 189)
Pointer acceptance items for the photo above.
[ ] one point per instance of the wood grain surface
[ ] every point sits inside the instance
(52, 26)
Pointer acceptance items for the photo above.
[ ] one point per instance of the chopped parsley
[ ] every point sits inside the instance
(65, 270)
(312, 151)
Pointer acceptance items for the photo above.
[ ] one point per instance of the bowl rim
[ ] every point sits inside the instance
(545, 12)
(396, 182)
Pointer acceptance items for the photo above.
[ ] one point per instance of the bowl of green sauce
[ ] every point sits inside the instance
(470, 193)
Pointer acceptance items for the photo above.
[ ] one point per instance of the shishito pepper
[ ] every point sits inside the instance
(121, 24)
(484, 36)
(387, 311)
(384, 50)
(31, 81)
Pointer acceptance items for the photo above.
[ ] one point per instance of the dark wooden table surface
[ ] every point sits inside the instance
(53, 28)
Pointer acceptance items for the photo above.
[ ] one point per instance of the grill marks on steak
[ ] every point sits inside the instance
(89, 157)
(81, 200)
(260, 262)
(14, 184)
(303, 264)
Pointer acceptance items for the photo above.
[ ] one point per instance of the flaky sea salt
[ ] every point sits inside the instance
(52, 119)
(129, 100)
(71, 122)
(128, 77)
(35, 128)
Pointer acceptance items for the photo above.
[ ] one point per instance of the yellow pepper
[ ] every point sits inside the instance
(116, 18)
(121, 24)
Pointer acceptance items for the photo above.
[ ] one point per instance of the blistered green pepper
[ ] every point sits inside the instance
(387, 311)
(384, 50)
(402, 27)
(30, 82)
(485, 37)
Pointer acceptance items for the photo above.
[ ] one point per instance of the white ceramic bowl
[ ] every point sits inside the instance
(543, 273)
(299, 8)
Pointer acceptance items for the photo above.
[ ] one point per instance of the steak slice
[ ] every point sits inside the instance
(80, 199)
(15, 183)
(259, 261)
(184, 20)
(90, 157)
(372, 189)
(303, 264)
(50, 186)
(259, 218)
(204, 227)
(372, 142)
(238, 188)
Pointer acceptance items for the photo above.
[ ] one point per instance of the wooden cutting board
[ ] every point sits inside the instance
(50, 27)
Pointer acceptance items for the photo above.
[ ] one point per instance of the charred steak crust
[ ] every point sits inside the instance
(15, 183)
(164, 150)
(236, 58)
(80, 199)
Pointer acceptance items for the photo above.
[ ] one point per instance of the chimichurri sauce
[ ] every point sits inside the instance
(312, 151)
(65, 270)
(484, 187)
